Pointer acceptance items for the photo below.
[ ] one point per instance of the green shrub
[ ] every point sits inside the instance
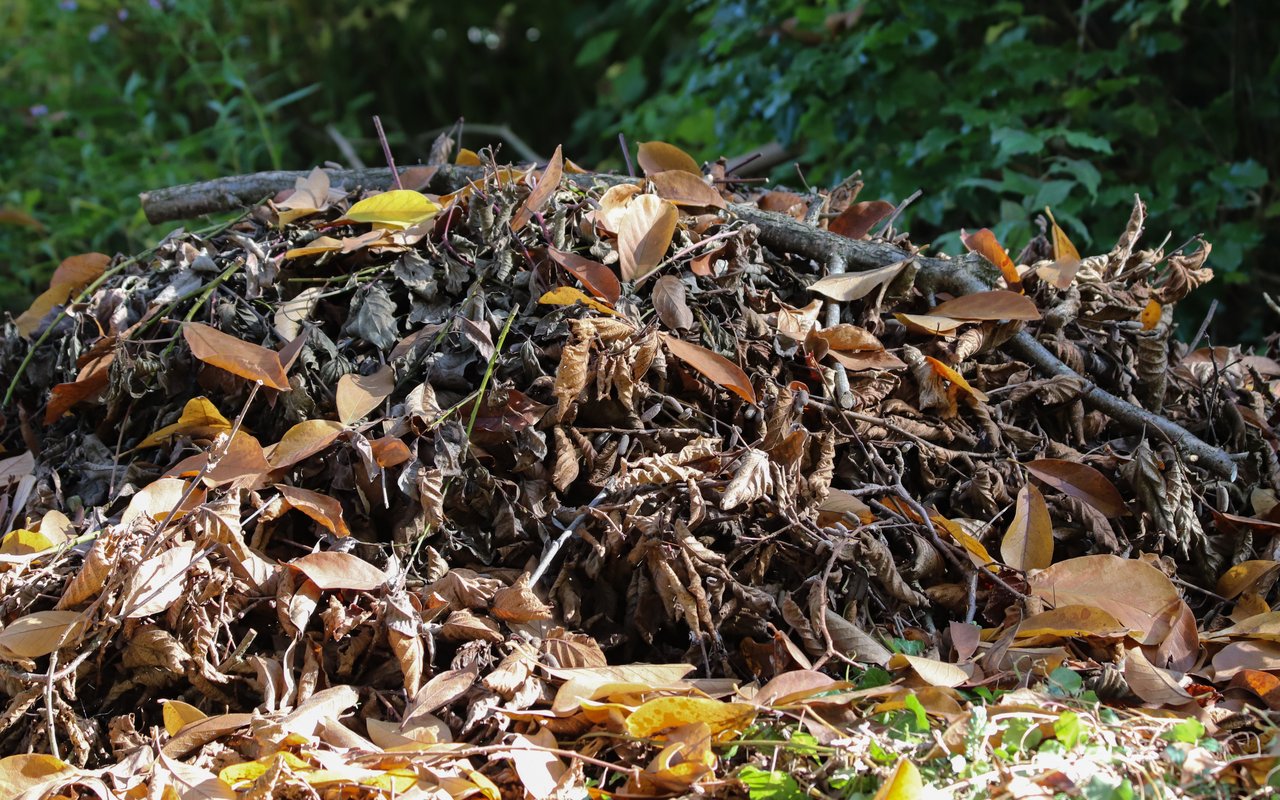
(993, 109)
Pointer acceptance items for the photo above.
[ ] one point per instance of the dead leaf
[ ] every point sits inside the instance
(995, 305)
(1028, 544)
(40, 633)
(644, 234)
(72, 275)
(713, 366)
(984, 243)
(859, 218)
(547, 184)
(598, 278)
(669, 301)
(250, 361)
(1082, 482)
(686, 189)
(1132, 591)
(336, 570)
(656, 157)
(855, 285)
(357, 395)
(323, 509)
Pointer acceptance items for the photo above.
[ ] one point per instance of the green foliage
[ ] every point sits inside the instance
(102, 100)
(770, 785)
(993, 109)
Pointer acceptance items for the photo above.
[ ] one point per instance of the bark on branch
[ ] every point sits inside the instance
(777, 232)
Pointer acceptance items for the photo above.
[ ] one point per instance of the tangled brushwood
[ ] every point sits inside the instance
(478, 480)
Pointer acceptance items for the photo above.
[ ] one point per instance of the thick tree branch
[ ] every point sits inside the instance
(778, 232)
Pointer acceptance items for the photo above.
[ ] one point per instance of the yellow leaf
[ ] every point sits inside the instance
(242, 774)
(23, 772)
(955, 377)
(398, 208)
(23, 542)
(644, 234)
(178, 715)
(904, 784)
(467, 158)
(200, 418)
(664, 713)
(567, 296)
(1063, 249)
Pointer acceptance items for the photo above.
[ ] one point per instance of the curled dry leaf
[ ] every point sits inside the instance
(157, 582)
(644, 234)
(547, 184)
(161, 497)
(323, 509)
(40, 633)
(200, 419)
(1132, 591)
(72, 275)
(250, 361)
(669, 301)
(302, 441)
(713, 366)
(567, 296)
(984, 243)
(397, 209)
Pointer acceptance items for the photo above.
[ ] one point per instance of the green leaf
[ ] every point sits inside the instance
(1087, 141)
(1190, 731)
(1014, 142)
(771, 785)
(1065, 682)
(1068, 730)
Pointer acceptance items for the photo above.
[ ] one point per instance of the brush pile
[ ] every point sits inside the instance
(515, 481)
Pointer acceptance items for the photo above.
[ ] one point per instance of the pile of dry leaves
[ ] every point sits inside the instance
(518, 482)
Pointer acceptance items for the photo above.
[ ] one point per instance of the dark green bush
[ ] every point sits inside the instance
(993, 109)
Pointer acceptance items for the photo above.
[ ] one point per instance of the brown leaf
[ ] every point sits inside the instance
(644, 234)
(655, 157)
(323, 509)
(999, 304)
(357, 395)
(598, 278)
(156, 583)
(985, 244)
(72, 275)
(1082, 482)
(856, 285)
(335, 570)
(859, 218)
(1028, 544)
(39, 634)
(686, 189)
(548, 182)
(1132, 591)
(713, 366)
(250, 361)
(91, 380)
(302, 441)
(518, 603)
(669, 301)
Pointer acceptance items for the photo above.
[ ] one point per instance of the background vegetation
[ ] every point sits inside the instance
(993, 109)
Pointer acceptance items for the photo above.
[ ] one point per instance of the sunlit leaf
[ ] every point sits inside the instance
(984, 243)
(245, 359)
(567, 296)
(713, 366)
(548, 182)
(644, 234)
(1028, 544)
(72, 275)
(655, 157)
(398, 208)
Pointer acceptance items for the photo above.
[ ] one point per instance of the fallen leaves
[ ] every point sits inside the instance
(250, 361)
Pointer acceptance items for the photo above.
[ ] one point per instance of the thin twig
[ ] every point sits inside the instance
(386, 151)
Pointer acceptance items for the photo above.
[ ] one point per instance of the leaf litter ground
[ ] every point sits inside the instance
(535, 483)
